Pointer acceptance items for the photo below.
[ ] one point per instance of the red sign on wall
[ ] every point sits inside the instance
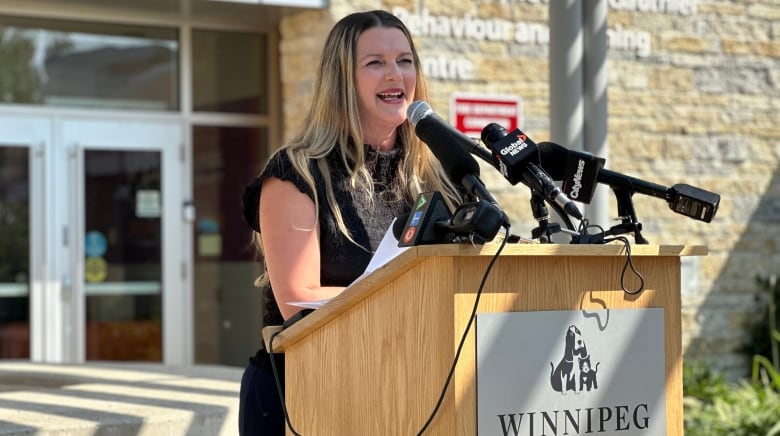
(470, 113)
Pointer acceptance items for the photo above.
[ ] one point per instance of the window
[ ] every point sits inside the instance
(227, 304)
(230, 72)
(64, 63)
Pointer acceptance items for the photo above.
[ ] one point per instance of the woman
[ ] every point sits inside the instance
(323, 202)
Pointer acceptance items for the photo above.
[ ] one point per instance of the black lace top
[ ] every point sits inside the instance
(341, 261)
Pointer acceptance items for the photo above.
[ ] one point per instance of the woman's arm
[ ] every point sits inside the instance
(291, 248)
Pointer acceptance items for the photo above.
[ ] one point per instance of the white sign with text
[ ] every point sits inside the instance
(573, 372)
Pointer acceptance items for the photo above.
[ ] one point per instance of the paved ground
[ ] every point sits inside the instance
(117, 399)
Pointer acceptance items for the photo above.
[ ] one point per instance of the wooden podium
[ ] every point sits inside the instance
(373, 360)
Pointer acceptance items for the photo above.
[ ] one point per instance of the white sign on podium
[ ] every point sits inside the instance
(571, 373)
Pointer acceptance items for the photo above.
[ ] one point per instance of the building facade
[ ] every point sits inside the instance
(128, 130)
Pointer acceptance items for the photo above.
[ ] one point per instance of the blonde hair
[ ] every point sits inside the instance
(333, 120)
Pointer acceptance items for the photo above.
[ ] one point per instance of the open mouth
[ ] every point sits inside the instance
(390, 96)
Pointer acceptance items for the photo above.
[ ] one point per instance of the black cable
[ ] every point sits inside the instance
(600, 237)
(278, 382)
(629, 263)
(465, 333)
(561, 214)
(584, 237)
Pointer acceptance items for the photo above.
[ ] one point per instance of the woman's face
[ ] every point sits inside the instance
(385, 78)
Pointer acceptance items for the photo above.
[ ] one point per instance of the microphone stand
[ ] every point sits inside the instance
(627, 215)
(538, 207)
(545, 230)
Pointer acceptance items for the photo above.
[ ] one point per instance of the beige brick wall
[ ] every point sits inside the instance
(702, 108)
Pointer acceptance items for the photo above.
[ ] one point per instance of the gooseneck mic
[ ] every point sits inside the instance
(682, 198)
(450, 148)
(515, 153)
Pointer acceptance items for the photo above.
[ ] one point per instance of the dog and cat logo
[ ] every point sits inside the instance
(574, 372)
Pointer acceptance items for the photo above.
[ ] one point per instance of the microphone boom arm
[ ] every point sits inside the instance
(627, 215)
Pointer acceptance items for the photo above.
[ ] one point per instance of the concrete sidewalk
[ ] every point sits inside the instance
(117, 399)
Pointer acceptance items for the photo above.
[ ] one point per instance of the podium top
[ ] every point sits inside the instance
(414, 255)
(613, 249)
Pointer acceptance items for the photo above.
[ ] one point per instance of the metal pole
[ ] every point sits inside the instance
(595, 83)
(566, 51)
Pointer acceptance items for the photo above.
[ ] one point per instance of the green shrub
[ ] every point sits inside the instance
(700, 382)
(747, 410)
(713, 407)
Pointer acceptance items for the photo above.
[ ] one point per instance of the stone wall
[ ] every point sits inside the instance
(693, 98)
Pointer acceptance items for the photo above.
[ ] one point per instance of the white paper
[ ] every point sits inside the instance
(316, 304)
(388, 249)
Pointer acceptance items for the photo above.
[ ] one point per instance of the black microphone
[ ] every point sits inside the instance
(425, 223)
(682, 198)
(516, 153)
(450, 148)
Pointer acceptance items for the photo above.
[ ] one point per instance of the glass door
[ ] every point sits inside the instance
(123, 254)
(126, 224)
(14, 251)
(23, 141)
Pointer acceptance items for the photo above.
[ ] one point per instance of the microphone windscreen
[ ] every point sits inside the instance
(418, 110)
(493, 133)
(513, 150)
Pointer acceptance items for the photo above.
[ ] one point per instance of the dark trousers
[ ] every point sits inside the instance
(260, 410)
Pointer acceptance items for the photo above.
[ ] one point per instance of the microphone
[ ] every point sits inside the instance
(430, 222)
(515, 153)
(424, 224)
(682, 198)
(450, 148)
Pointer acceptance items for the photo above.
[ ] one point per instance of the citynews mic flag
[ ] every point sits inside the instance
(579, 180)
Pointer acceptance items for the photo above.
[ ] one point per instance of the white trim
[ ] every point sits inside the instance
(122, 288)
(187, 263)
(199, 118)
(42, 332)
(75, 351)
(10, 290)
(318, 4)
(153, 17)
